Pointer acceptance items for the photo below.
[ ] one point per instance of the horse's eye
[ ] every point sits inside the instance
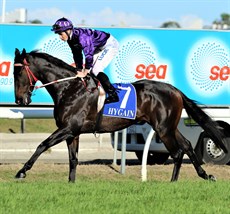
(18, 71)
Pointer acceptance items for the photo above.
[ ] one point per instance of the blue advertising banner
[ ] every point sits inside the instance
(195, 61)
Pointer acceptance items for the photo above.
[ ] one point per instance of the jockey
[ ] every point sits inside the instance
(98, 47)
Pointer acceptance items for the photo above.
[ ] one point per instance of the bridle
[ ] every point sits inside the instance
(32, 77)
(29, 73)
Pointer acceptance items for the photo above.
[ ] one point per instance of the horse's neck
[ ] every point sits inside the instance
(51, 76)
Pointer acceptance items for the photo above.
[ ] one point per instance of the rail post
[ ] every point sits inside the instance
(145, 155)
(115, 148)
(123, 150)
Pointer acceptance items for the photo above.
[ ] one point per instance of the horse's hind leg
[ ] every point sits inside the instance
(73, 145)
(58, 136)
(178, 145)
(177, 159)
(186, 146)
(175, 151)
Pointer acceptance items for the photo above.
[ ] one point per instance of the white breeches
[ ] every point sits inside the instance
(105, 56)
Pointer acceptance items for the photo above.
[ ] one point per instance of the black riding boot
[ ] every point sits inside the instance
(109, 89)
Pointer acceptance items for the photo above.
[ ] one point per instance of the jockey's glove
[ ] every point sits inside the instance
(83, 72)
(86, 70)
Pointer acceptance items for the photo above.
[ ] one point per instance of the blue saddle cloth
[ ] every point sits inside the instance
(127, 105)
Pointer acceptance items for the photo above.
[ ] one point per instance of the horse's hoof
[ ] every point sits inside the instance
(212, 178)
(20, 175)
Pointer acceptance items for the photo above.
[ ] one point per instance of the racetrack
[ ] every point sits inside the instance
(105, 170)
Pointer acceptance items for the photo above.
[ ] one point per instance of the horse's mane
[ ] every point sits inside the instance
(52, 60)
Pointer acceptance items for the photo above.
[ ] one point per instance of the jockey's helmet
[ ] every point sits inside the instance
(61, 25)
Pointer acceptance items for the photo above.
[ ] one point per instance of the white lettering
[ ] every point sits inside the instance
(121, 112)
(110, 111)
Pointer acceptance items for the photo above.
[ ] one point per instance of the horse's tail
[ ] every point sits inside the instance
(210, 127)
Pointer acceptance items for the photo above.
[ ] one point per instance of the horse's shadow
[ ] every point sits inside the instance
(129, 162)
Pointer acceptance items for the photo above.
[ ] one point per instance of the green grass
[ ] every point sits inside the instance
(118, 197)
(101, 190)
(31, 125)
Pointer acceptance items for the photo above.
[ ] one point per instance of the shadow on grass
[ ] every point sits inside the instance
(129, 162)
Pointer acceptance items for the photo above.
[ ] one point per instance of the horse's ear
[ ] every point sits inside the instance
(24, 52)
(17, 52)
(23, 55)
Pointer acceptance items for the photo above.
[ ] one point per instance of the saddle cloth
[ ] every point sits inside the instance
(127, 105)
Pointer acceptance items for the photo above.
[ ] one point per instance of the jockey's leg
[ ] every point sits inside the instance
(101, 61)
(108, 87)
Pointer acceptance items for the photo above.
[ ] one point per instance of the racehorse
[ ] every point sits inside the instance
(75, 110)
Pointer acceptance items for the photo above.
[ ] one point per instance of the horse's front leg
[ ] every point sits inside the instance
(73, 145)
(58, 136)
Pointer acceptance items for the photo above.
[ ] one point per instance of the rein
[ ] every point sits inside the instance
(56, 81)
(31, 76)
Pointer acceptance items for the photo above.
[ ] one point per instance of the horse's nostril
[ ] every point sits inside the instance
(19, 101)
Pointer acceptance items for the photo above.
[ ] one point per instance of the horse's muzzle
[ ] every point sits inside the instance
(23, 101)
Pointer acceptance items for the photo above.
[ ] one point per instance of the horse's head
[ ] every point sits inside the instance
(24, 80)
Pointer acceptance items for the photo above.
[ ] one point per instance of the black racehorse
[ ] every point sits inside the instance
(75, 110)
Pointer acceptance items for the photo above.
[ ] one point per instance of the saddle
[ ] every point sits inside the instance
(102, 94)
